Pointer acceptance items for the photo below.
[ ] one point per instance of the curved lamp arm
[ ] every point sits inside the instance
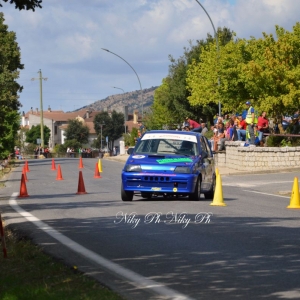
(217, 42)
(133, 71)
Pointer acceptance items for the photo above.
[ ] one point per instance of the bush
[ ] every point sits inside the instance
(282, 141)
(72, 144)
(29, 149)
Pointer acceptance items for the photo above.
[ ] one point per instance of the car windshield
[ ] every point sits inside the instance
(166, 145)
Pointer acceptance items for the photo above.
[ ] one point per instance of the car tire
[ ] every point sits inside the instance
(126, 195)
(197, 192)
(146, 195)
(211, 192)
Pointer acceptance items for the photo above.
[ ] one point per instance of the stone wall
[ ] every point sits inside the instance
(242, 158)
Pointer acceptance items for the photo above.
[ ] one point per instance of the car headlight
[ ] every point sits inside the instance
(133, 168)
(186, 170)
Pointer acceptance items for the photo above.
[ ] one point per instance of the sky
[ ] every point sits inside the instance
(65, 37)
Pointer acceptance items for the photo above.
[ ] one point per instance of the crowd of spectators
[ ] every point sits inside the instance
(41, 151)
(235, 128)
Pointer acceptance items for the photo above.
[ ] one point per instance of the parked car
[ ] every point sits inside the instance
(169, 163)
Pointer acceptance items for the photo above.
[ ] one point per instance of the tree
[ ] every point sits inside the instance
(21, 138)
(173, 95)
(273, 74)
(202, 78)
(35, 133)
(266, 70)
(10, 62)
(131, 137)
(77, 131)
(10, 125)
(113, 128)
(25, 4)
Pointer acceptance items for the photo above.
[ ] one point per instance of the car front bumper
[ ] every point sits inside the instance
(159, 183)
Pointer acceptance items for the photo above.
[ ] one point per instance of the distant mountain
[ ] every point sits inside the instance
(130, 99)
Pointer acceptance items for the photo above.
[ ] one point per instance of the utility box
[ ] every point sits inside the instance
(122, 147)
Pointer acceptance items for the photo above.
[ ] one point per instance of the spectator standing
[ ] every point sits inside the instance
(262, 125)
(220, 135)
(241, 129)
(251, 120)
(193, 124)
(204, 128)
(214, 129)
(234, 130)
(46, 151)
(226, 119)
(216, 118)
(228, 135)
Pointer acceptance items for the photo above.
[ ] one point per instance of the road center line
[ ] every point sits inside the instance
(137, 280)
(266, 194)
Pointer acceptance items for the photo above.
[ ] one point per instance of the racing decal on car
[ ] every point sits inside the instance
(172, 136)
(156, 189)
(138, 156)
(174, 160)
(174, 189)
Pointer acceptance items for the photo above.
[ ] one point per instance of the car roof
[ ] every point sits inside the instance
(174, 132)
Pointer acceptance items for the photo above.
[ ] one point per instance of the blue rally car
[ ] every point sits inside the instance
(169, 163)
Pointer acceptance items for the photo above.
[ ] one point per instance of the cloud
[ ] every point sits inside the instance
(65, 38)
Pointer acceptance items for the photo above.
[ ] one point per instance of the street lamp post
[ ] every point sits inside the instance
(124, 112)
(101, 125)
(217, 42)
(41, 106)
(135, 74)
(118, 88)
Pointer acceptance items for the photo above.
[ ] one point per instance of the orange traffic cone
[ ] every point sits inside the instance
(26, 166)
(80, 163)
(53, 165)
(97, 174)
(24, 173)
(81, 188)
(23, 188)
(59, 175)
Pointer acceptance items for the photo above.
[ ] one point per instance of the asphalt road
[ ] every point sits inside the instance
(154, 249)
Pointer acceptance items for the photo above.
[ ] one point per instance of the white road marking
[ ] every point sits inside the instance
(274, 195)
(253, 183)
(243, 185)
(136, 279)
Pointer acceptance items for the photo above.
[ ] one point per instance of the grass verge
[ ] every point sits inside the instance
(28, 273)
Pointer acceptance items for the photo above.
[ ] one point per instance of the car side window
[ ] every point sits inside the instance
(208, 147)
(203, 146)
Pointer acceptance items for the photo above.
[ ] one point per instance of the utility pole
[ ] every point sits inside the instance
(41, 106)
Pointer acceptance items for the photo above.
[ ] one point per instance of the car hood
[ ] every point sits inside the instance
(161, 162)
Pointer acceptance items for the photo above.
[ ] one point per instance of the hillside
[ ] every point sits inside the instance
(118, 101)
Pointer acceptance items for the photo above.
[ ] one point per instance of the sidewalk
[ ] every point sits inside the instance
(222, 170)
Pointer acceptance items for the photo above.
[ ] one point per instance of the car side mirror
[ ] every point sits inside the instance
(204, 155)
(130, 151)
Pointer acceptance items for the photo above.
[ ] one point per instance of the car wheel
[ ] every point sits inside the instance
(126, 195)
(146, 195)
(197, 192)
(211, 192)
